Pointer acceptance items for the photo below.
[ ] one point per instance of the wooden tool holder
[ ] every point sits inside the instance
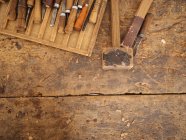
(80, 42)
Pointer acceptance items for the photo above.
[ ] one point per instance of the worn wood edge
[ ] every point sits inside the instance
(97, 26)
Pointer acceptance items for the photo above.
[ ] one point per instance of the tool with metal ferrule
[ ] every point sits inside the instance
(69, 4)
(122, 57)
(72, 18)
(88, 15)
(21, 24)
(62, 18)
(49, 5)
(80, 6)
(54, 14)
(81, 18)
(37, 8)
(30, 4)
(12, 12)
(143, 31)
(95, 11)
(43, 9)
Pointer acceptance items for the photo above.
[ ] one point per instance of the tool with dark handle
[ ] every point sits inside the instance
(72, 18)
(54, 14)
(12, 12)
(69, 4)
(81, 18)
(30, 4)
(143, 31)
(21, 24)
(62, 18)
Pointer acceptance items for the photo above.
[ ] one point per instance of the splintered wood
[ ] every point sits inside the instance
(80, 42)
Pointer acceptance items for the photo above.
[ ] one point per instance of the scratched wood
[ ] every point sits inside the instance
(94, 118)
(29, 69)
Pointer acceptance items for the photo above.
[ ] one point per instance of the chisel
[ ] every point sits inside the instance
(30, 4)
(54, 13)
(80, 6)
(37, 11)
(62, 18)
(95, 11)
(69, 4)
(143, 31)
(72, 18)
(43, 9)
(12, 12)
(21, 24)
(81, 18)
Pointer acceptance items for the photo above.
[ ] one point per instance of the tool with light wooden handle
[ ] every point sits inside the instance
(69, 4)
(136, 24)
(95, 11)
(80, 6)
(72, 18)
(12, 11)
(21, 24)
(81, 18)
(62, 18)
(49, 4)
(30, 5)
(38, 12)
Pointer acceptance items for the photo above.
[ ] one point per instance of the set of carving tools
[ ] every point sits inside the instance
(74, 14)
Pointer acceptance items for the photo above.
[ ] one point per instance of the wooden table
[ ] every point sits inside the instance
(29, 71)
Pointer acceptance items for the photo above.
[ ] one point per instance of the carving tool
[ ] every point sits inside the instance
(143, 31)
(37, 8)
(69, 4)
(95, 11)
(62, 18)
(30, 4)
(21, 24)
(72, 18)
(12, 12)
(88, 16)
(54, 13)
(80, 6)
(122, 57)
(49, 5)
(81, 18)
(43, 9)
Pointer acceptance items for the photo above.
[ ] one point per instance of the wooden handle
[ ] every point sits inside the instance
(115, 23)
(146, 24)
(49, 3)
(62, 21)
(81, 18)
(30, 2)
(21, 24)
(81, 3)
(12, 13)
(37, 17)
(94, 14)
(71, 20)
(69, 4)
(143, 8)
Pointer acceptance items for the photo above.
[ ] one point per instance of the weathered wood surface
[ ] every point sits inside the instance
(94, 118)
(29, 69)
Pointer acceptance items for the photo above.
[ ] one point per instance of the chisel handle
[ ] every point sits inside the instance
(12, 12)
(37, 11)
(30, 2)
(62, 21)
(81, 3)
(95, 11)
(49, 3)
(21, 24)
(146, 24)
(69, 4)
(81, 18)
(71, 20)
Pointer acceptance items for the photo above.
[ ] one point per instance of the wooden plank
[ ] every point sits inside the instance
(105, 118)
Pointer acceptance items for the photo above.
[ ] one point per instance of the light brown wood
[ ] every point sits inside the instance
(95, 11)
(12, 11)
(37, 18)
(115, 21)
(69, 4)
(144, 8)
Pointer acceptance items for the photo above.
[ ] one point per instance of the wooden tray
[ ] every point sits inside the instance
(81, 42)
